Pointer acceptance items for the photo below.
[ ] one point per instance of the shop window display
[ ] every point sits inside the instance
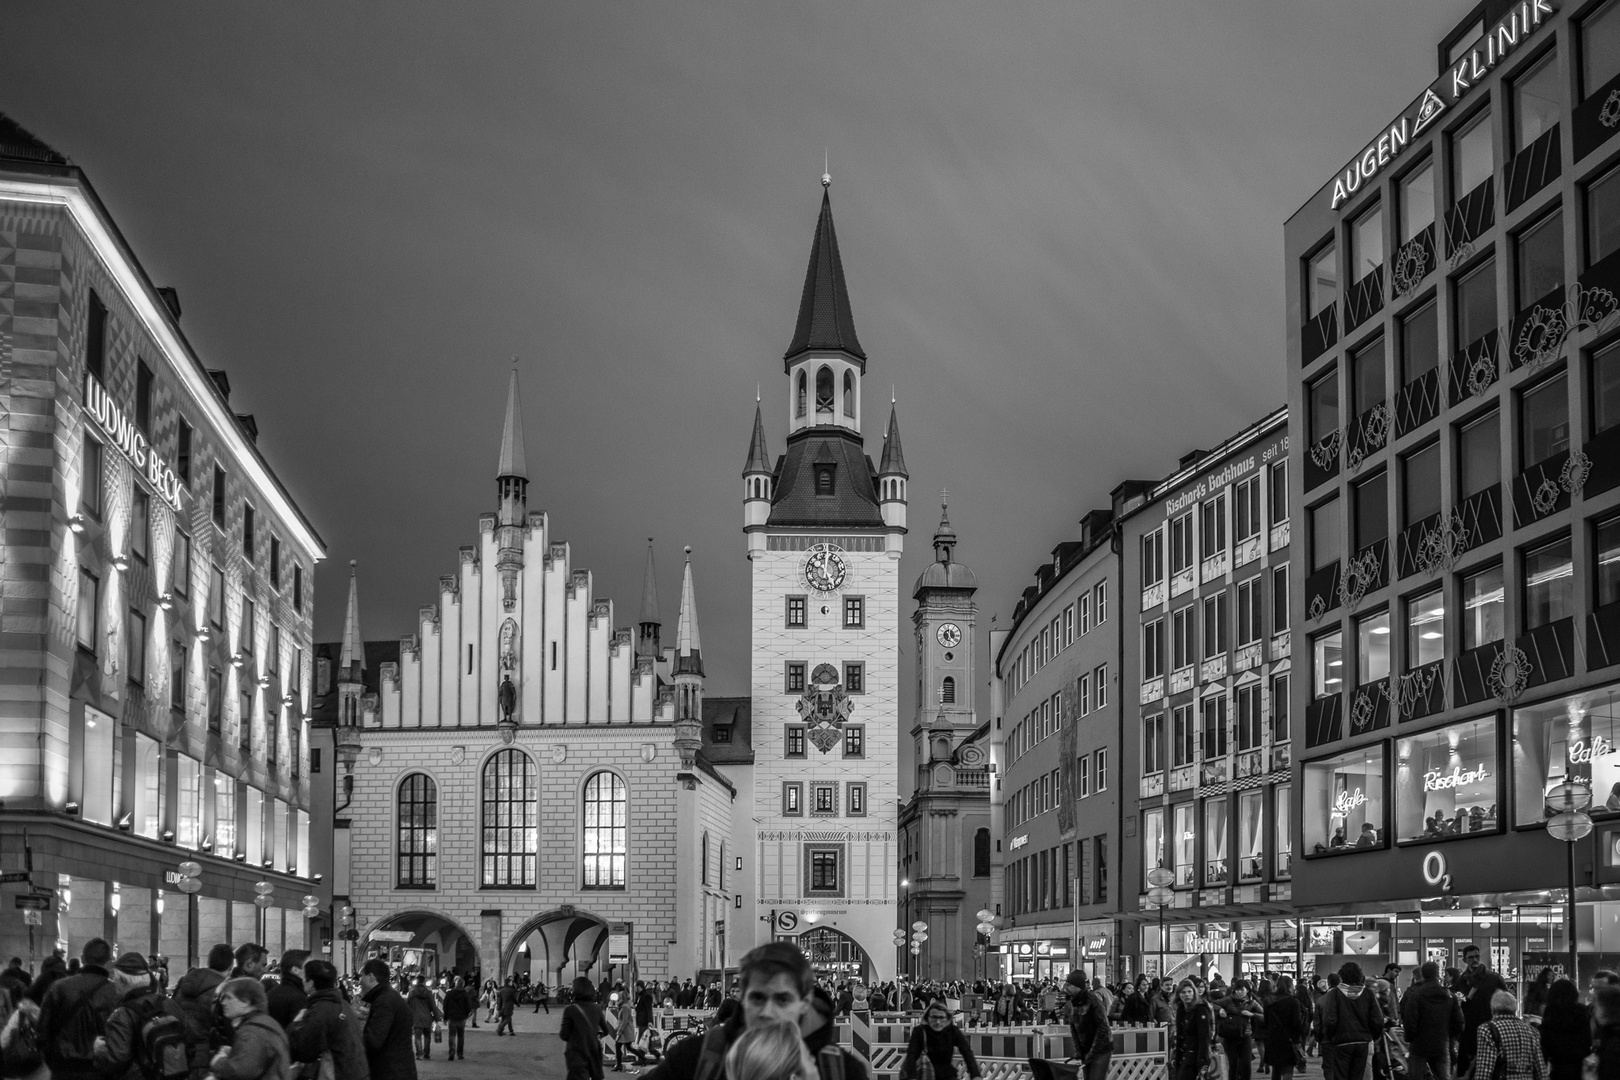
(1251, 836)
(1343, 805)
(1575, 737)
(1448, 782)
(1215, 835)
(1184, 838)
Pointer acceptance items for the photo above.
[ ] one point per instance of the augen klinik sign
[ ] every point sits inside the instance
(1460, 77)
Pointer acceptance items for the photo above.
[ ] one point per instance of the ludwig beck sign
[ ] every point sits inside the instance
(122, 433)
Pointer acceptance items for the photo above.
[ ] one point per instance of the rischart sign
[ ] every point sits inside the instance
(1460, 77)
(123, 433)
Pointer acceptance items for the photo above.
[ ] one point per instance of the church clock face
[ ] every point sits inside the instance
(824, 569)
(950, 635)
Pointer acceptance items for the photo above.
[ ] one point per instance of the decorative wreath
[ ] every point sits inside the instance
(1609, 115)
(1541, 338)
(1510, 674)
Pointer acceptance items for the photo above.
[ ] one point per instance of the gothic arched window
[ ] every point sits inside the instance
(607, 832)
(849, 394)
(705, 857)
(981, 853)
(803, 393)
(947, 691)
(418, 831)
(824, 390)
(511, 837)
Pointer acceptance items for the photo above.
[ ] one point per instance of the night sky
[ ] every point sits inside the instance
(1061, 226)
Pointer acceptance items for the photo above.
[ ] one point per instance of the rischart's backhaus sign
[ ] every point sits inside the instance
(1496, 45)
(123, 433)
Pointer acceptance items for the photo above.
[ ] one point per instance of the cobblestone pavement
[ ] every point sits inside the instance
(535, 1053)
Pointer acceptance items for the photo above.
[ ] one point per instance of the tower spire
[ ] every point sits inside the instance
(894, 461)
(512, 481)
(759, 460)
(352, 659)
(688, 644)
(512, 460)
(647, 644)
(825, 321)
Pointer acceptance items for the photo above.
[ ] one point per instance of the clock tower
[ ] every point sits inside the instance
(825, 532)
(945, 638)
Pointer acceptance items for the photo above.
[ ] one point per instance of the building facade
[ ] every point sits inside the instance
(1454, 376)
(1204, 685)
(946, 846)
(825, 532)
(1056, 682)
(158, 618)
(526, 787)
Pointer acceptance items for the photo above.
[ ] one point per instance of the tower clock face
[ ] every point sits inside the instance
(950, 635)
(824, 569)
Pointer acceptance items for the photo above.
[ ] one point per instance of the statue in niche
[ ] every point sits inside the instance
(508, 646)
(507, 698)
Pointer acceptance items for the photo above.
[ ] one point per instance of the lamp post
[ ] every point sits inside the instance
(1570, 823)
(190, 884)
(1160, 895)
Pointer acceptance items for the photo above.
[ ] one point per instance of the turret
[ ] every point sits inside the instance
(351, 677)
(825, 361)
(688, 672)
(512, 482)
(892, 477)
(756, 486)
(648, 626)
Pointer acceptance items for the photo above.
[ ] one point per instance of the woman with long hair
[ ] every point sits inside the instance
(770, 1051)
(1566, 1031)
(938, 1037)
(1191, 1033)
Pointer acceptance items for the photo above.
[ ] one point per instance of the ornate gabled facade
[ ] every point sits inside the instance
(527, 785)
(825, 531)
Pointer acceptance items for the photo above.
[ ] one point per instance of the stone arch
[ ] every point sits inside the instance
(455, 949)
(569, 935)
(833, 952)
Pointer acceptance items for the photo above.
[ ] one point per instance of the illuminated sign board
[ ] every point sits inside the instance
(123, 434)
(1460, 77)
(1018, 842)
(1435, 780)
(1211, 943)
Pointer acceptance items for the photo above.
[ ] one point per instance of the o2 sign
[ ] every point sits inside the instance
(1435, 871)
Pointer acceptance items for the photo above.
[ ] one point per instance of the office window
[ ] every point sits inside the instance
(793, 741)
(1279, 598)
(793, 682)
(1214, 625)
(1474, 302)
(1321, 281)
(854, 741)
(824, 798)
(1183, 736)
(856, 800)
(1153, 649)
(1420, 484)
(1605, 389)
(1153, 558)
(1212, 537)
(1182, 647)
(95, 338)
(1082, 777)
(1279, 491)
(135, 646)
(1099, 602)
(88, 603)
(1327, 663)
(1602, 216)
(1483, 607)
(1425, 629)
(1182, 839)
(1549, 584)
(1471, 156)
(1100, 687)
(1216, 827)
(792, 799)
(855, 678)
(418, 833)
(249, 628)
(1606, 552)
(1250, 611)
(188, 802)
(1214, 712)
(216, 699)
(1181, 551)
(1372, 511)
(1539, 265)
(182, 456)
(219, 496)
(298, 588)
(796, 611)
(1420, 343)
(1417, 201)
(607, 831)
(1537, 97)
(1372, 648)
(1327, 540)
(91, 479)
(1479, 454)
(143, 398)
(1322, 401)
(1600, 48)
(1246, 510)
(1251, 836)
(1153, 744)
(1543, 421)
(1367, 376)
(1279, 708)
(854, 612)
(1367, 243)
(1153, 852)
(1100, 772)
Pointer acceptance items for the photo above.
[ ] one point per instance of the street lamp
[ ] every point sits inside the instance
(1160, 895)
(190, 883)
(1570, 823)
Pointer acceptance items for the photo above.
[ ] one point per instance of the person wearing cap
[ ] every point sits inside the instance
(89, 989)
(1088, 1027)
(118, 1047)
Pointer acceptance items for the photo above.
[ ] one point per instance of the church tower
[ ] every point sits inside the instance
(825, 531)
(945, 639)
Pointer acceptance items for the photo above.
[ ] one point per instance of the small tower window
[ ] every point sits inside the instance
(947, 691)
(803, 393)
(849, 394)
(824, 480)
(824, 390)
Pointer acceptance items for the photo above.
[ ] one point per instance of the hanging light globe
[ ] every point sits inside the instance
(1569, 826)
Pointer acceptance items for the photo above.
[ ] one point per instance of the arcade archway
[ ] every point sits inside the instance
(421, 943)
(834, 954)
(561, 945)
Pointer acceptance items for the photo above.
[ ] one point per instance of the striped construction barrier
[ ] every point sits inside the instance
(1141, 1052)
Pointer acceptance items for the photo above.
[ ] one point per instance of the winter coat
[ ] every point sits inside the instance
(1430, 1018)
(1350, 1014)
(625, 1033)
(1229, 1011)
(1283, 1027)
(328, 1026)
(1477, 987)
(581, 1031)
(939, 1046)
(390, 1054)
(90, 989)
(258, 1051)
(193, 1003)
(424, 1010)
(1088, 1027)
(1160, 1009)
(1135, 1009)
(1606, 1043)
(1566, 1039)
(644, 1009)
(119, 1054)
(1192, 1032)
(458, 1005)
(287, 999)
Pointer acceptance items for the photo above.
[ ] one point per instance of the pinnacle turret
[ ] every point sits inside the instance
(688, 644)
(352, 658)
(825, 320)
(894, 461)
(759, 459)
(512, 460)
(648, 624)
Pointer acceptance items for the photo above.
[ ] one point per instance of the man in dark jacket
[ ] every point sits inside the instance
(776, 982)
(458, 1005)
(193, 1003)
(287, 998)
(424, 1014)
(644, 1007)
(1432, 1019)
(75, 1012)
(119, 1051)
(326, 1026)
(1236, 1018)
(1088, 1027)
(1476, 983)
(1351, 1019)
(506, 1003)
(581, 1030)
(388, 1025)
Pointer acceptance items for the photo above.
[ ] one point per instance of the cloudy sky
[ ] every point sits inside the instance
(1061, 226)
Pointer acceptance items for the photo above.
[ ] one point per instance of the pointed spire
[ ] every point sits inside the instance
(688, 645)
(512, 460)
(759, 459)
(825, 321)
(649, 591)
(894, 460)
(354, 646)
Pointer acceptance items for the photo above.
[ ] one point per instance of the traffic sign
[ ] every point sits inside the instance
(15, 875)
(39, 902)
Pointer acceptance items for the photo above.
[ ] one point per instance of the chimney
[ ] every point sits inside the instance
(1189, 457)
(171, 300)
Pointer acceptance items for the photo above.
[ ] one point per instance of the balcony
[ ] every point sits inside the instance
(1422, 691)
(1475, 368)
(1533, 168)
(1603, 637)
(1543, 489)
(1469, 219)
(1319, 334)
(1365, 299)
(1418, 402)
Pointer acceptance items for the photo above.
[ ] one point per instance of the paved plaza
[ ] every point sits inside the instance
(534, 1052)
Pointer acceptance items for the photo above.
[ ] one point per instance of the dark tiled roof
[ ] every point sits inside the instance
(18, 143)
(825, 321)
(758, 459)
(894, 460)
(854, 500)
(734, 713)
(378, 653)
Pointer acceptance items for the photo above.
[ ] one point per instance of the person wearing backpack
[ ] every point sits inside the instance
(258, 1048)
(193, 1003)
(327, 1027)
(1235, 1018)
(143, 1041)
(1351, 1020)
(75, 1012)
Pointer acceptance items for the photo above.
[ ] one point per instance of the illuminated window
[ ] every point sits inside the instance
(224, 814)
(1327, 663)
(1343, 804)
(1425, 629)
(1447, 782)
(510, 835)
(1549, 584)
(1483, 607)
(1372, 648)
(418, 833)
(1251, 836)
(607, 831)
(1474, 302)
(1282, 835)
